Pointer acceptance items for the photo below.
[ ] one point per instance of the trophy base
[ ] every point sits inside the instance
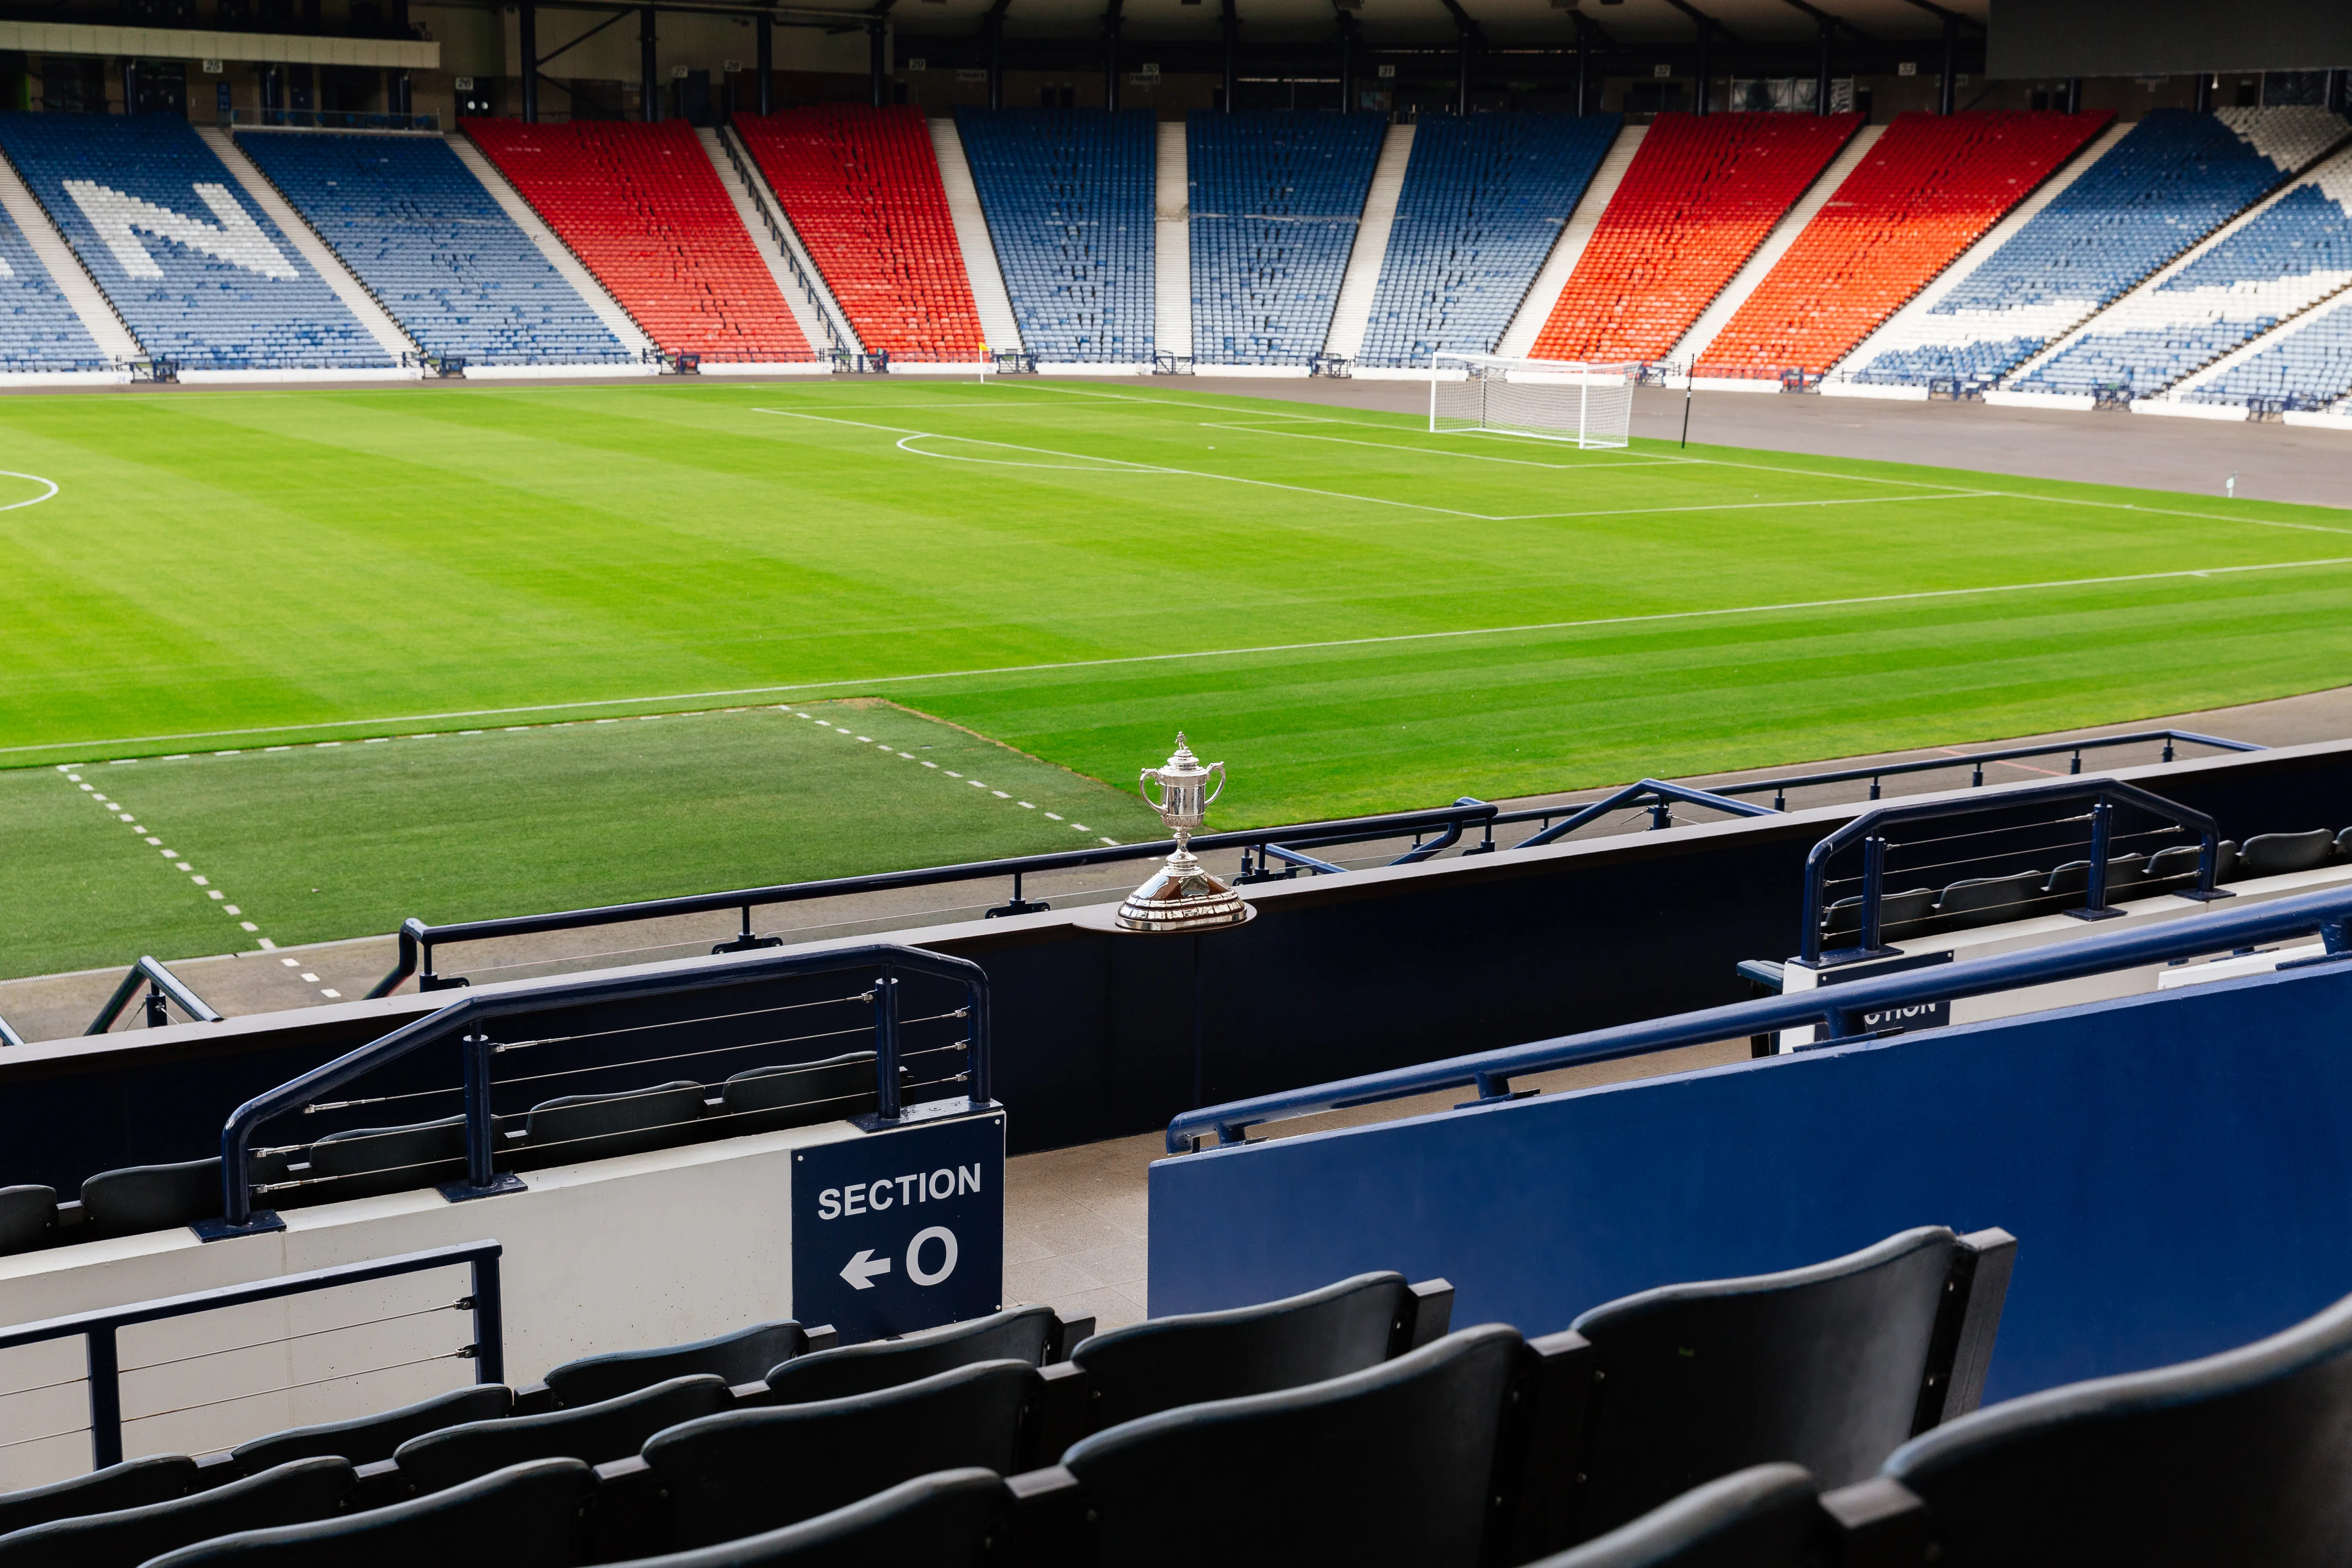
(1182, 897)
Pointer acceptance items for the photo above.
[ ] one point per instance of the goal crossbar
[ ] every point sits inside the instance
(1589, 405)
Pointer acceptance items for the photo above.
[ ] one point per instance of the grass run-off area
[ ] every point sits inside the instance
(1352, 613)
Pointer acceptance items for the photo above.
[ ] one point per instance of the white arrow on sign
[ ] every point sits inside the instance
(861, 1269)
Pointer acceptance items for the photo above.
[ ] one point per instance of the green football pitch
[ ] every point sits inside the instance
(1043, 581)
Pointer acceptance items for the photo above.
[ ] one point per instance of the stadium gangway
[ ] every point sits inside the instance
(1839, 1010)
(163, 987)
(2172, 739)
(97, 1328)
(469, 1016)
(841, 338)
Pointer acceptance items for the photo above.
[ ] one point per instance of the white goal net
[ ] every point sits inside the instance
(1558, 400)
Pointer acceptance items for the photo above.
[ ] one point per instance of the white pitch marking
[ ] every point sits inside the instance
(1024, 806)
(330, 991)
(36, 478)
(1000, 794)
(289, 963)
(213, 892)
(267, 945)
(310, 979)
(1054, 815)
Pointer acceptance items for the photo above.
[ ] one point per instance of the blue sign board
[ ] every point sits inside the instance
(900, 1230)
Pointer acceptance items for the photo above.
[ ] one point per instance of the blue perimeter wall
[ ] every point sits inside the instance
(2177, 1169)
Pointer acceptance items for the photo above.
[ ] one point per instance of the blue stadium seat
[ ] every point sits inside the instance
(433, 246)
(293, 1493)
(1484, 198)
(198, 271)
(1069, 197)
(134, 1483)
(1275, 200)
(38, 330)
(743, 1356)
(368, 1439)
(523, 1517)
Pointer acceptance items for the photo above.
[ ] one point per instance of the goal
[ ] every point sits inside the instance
(1557, 400)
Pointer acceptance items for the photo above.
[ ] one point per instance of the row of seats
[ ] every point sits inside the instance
(643, 209)
(862, 188)
(1993, 900)
(2170, 181)
(1931, 187)
(418, 229)
(2309, 367)
(1697, 199)
(1069, 194)
(1242, 1427)
(38, 327)
(1276, 198)
(1484, 198)
(198, 272)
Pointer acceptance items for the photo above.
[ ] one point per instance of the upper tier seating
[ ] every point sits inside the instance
(2172, 180)
(2308, 366)
(433, 248)
(1930, 188)
(1068, 194)
(642, 206)
(38, 330)
(1484, 198)
(198, 271)
(1696, 201)
(862, 187)
(1275, 201)
(2291, 254)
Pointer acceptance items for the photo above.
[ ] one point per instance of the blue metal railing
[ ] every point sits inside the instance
(1840, 1008)
(2103, 793)
(163, 987)
(1976, 761)
(97, 1328)
(468, 1017)
(9, 1035)
(1654, 794)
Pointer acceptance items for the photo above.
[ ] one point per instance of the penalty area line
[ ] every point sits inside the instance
(2059, 584)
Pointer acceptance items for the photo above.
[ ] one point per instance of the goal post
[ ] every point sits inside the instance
(1554, 400)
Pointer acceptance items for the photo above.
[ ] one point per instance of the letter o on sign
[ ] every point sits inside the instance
(914, 1270)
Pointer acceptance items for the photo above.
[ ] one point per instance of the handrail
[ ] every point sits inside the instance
(418, 939)
(752, 188)
(1660, 793)
(1977, 760)
(471, 1011)
(487, 1353)
(9, 1036)
(1838, 1008)
(162, 987)
(2102, 792)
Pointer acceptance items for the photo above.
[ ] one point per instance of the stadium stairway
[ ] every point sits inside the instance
(558, 255)
(808, 314)
(1519, 337)
(998, 329)
(1362, 281)
(111, 340)
(1172, 244)
(754, 184)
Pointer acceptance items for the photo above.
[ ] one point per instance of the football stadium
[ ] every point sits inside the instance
(1557, 784)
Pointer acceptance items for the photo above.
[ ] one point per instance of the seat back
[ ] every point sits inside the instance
(749, 1471)
(1767, 1516)
(365, 1439)
(2176, 866)
(578, 1127)
(28, 1214)
(1022, 1334)
(1898, 913)
(288, 1494)
(743, 1356)
(1987, 901)
(141, 1198)
(765, 1098)
(1393, 1464)
(1830, 1366)
(953, 1520)
(593, 1433)
(2276, 854)
(366, 1161)
(1157, 1366)
(2239, 1458)
(523, 1517)
(131, 1484)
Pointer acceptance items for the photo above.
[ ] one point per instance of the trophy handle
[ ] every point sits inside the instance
(1144, 781)
(1218, 769)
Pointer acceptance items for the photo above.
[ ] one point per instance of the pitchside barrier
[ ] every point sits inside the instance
(1554, 400)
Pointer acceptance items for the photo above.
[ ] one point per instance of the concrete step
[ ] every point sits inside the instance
(1353, 313)
(591, 291)
(807, 314)
(1172, 239)
(1569, 248)
(73, 279)
(999, 328)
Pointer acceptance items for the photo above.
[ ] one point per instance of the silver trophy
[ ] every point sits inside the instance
(1181, 895)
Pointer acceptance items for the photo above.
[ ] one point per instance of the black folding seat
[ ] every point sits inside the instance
(2070, 884)
(1831, 1367)
(2343, 845)
(141, 1198)
(2240, 1458)
(1767, 1516)
(366, 1439)
(28, 1217)
(2228, 864)
(952, 1520)
(594, 1433)
(2277, 854)
(133, 1483)
(1899, 914)
(765, 1098)
(287, 1494)
(743, 1356)
(748, 1470)
(1402, 1462)
(1022, 1333)
(366, 1161)
(2174, 868)
(523, 1517)
(1148, 1367)
(1987, 901)
(578, 1127)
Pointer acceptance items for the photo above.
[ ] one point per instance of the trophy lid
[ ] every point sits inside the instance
(1182, 763)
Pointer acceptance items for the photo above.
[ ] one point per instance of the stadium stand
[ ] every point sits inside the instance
(2309, 367)
(198, 272)
(38, 328)
(2293, 253)
(418, 229)
(861, 186)
(1701, 195)
(642, 207)
(2173, 178)
(1275, 199)
(1484, 201)
(1930, 188)
(1069, 195)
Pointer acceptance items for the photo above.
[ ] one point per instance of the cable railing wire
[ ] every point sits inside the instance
(463, 1353)
(462, 1304)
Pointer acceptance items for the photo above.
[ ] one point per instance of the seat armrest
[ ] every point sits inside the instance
(1876, 1523)
(1050, 1524)
(1066, 1413)
(533, 1399)
(628, 1514)
(1068, 1334)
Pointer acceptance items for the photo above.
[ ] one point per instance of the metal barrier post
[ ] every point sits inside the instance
(1874, 879)
(105, 1399)
(2095, 901)
(886, 1045)
(482, 1178)
(489, 1322)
